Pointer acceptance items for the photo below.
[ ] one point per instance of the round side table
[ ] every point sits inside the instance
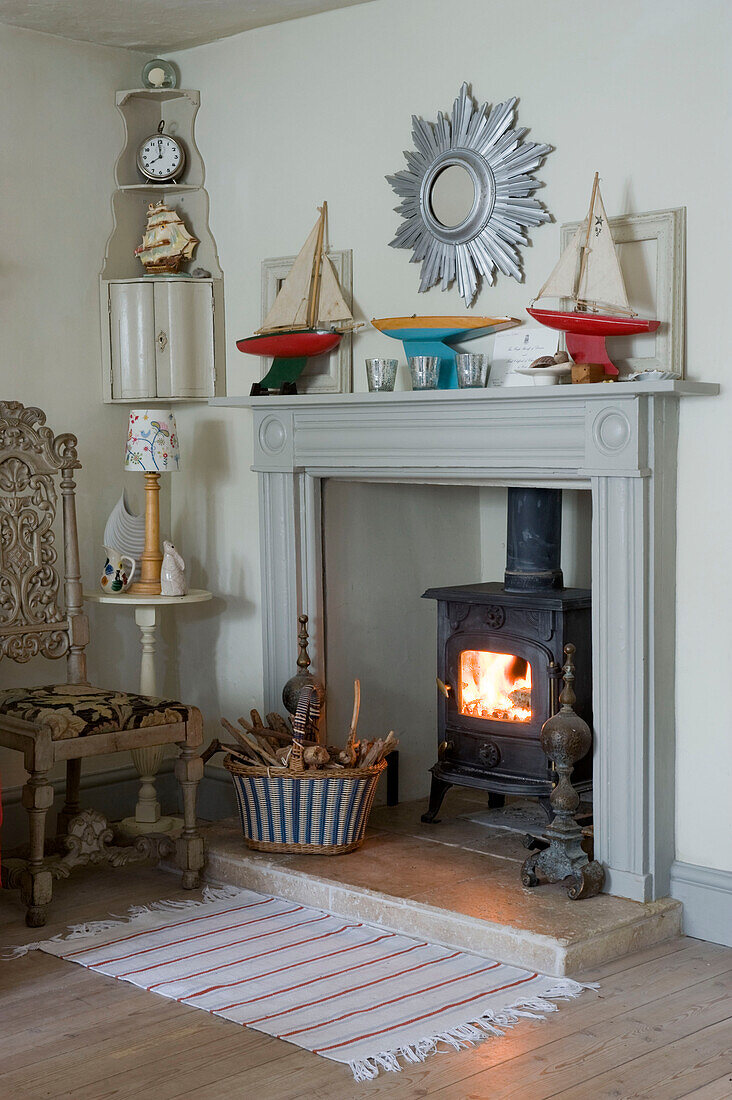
(147, 817)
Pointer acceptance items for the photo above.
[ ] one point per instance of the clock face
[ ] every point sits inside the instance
(160, 157)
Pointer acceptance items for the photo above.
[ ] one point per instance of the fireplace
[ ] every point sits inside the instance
(499, 660)
(619, 443)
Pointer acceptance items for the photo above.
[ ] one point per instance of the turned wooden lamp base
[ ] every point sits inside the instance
(152, 559)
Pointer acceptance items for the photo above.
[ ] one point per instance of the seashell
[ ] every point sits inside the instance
(561, 357)
(125, 530)
(544, 361)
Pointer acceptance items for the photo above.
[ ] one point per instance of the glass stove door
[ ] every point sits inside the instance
(494, 686)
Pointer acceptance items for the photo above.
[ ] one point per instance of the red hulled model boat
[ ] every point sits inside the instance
(589, 274)
(298, 325)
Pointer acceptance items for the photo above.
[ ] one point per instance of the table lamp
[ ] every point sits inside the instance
(152, 446)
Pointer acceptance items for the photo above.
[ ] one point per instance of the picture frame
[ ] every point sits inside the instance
(332, 373)
(652, 253)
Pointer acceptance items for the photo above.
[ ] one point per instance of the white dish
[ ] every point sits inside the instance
(545, 376)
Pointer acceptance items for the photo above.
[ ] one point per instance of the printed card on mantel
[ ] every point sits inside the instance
(519, 347)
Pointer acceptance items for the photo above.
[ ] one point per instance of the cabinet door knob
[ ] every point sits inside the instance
(162, 340)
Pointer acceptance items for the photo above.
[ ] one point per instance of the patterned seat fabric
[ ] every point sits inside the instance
(78, 710)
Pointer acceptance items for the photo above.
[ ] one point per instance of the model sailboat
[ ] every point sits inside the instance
(588, 273)
(309, 316)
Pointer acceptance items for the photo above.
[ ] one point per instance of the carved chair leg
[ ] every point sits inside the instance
(35, 881)
(72, 806)
(188, 771)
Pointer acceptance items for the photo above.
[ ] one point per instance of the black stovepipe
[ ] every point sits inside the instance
(534, 540)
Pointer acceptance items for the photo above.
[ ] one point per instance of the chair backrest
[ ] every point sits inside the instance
(32, 619)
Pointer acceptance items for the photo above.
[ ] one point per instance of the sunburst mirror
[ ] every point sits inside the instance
(467, 195)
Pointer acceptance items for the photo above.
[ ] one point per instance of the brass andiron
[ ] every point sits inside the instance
(565, 738)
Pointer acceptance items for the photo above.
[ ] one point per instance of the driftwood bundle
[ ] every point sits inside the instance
(269, 744)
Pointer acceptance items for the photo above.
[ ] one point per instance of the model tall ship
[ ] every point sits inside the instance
(166, 243)
(309, 316)
(588, 273)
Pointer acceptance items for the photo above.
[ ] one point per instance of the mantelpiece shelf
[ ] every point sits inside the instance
(669, 387)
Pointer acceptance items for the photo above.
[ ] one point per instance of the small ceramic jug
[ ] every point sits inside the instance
(115, 576)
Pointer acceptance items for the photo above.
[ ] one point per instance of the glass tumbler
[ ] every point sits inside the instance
(381, 374)
(472, 370)
(424, 371)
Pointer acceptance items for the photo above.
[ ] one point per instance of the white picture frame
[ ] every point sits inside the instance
(332, 373)
(652, 252)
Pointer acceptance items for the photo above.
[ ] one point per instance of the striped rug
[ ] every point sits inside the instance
(348, 991)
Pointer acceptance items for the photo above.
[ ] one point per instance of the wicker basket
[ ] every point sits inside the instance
(324, 811)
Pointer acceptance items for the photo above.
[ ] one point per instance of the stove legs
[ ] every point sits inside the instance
(438, 790)
(496, 801)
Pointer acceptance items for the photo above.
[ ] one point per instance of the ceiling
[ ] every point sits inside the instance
(160, 25)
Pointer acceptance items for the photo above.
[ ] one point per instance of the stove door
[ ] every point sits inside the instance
(500, 683)
(500, 694)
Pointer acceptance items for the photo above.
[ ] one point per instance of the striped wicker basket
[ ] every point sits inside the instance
(289, 809)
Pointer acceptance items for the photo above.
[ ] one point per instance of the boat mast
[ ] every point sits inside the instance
(586, 249)
(314, 297)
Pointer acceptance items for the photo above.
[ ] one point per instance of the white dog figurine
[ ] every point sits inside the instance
(172, 573)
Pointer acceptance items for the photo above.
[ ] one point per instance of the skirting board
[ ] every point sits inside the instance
(216, 798)
(114, 792)
(706, 894)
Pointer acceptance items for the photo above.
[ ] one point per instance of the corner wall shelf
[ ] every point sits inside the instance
(162, 336)
(156, 187)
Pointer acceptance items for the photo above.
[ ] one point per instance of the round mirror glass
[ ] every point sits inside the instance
(452, 196)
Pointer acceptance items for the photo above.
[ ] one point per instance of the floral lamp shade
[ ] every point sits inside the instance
(152, 441)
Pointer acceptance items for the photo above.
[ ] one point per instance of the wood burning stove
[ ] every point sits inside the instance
(499, 663)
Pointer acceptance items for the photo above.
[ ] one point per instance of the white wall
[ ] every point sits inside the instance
(320, 108)
(60, 135)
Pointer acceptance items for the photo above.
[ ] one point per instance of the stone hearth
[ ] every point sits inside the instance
(456, 883)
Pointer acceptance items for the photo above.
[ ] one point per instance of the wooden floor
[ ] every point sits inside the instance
(660, 1027)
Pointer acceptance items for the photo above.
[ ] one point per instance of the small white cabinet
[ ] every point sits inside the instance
(161, 339)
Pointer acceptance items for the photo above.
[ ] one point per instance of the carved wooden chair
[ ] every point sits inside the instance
(73, 720)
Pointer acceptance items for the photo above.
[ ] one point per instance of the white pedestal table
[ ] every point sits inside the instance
(147, 760)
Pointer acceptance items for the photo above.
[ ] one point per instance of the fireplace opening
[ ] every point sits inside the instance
(496, 686)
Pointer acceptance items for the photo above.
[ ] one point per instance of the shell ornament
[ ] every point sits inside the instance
(500, 163)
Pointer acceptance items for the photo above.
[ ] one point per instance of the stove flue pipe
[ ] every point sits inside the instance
(534, 540)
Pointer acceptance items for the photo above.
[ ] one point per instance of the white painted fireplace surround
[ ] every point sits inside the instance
(617, 441)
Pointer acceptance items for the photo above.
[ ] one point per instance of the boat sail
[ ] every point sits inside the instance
(310, 296)
(309, 315)
(166, 242)
(588, 274)
(589, 271)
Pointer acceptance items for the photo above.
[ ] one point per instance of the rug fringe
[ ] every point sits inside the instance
(134, 913)
(474, 1031)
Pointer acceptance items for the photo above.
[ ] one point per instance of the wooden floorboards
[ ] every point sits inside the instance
(660, 1027)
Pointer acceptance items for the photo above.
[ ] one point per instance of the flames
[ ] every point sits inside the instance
(495, 685)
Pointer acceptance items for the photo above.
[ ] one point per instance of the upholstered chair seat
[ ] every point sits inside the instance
(78, 710)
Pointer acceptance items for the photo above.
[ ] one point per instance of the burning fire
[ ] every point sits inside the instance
(495, 685)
